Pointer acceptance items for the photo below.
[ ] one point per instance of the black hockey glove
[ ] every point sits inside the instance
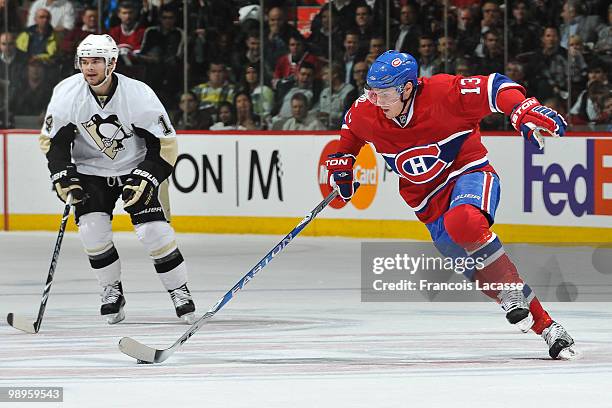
(138, 191)
(68, 181)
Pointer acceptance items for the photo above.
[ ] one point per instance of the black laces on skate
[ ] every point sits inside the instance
(513, 299)
(180, 296)
(111, 293)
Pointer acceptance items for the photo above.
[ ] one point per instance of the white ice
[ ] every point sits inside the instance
(296, 336)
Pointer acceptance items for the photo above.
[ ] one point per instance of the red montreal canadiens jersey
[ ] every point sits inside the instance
(435, 142)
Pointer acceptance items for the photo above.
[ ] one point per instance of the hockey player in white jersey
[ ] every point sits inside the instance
(107, 136)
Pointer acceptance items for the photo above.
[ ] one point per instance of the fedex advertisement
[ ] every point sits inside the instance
(578, 183)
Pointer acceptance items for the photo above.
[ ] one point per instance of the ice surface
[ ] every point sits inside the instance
(297, 336)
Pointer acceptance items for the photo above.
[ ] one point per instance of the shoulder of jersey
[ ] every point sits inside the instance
(134, 86)
(72, 84)
(439, 81)
(361, 110)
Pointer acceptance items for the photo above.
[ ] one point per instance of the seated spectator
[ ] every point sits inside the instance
(189, 117)
(516, 72)
(128, 35)
(39, 41)
(151, 10)
(447, 56)
(245, 118)
(585, 109)
(351, 53)
(547, 67)
(364, 25)
(577, 61)
(464, 68)
(288, 65)
(575, 23)
(277, 32)
(493, 54)
(303, 85)
(62, 13)
(590, 106)
(426, 57)
(249, 57)
(13, 23)
(33, 98)
(262, 97)
(603, 47)
(226, 116)
(597, 71)
(14, 61)
(162, 52)
(491, 20)
(300, 119)
(468, 32)
(522, 29)
(330, 107)
(360, 71)
(406, 35)
(210, 94)
(74, 37)
(376, 47)
(319, 36)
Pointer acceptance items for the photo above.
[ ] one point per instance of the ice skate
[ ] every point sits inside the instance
(560, 343)
(183, 303)
(112, 303)
(516, 307)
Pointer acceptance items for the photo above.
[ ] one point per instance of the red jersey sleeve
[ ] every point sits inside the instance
(477, 96)
(350, 142)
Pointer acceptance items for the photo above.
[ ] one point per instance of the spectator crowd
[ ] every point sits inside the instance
(241, 79)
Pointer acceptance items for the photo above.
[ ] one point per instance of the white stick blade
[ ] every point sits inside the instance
(21, 323)
(137, 350)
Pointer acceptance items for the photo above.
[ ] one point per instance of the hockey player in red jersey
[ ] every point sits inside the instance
(427, 131)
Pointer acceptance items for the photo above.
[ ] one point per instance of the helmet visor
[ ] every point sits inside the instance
(383, 97)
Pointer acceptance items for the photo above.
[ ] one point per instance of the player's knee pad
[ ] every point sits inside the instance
(157, 237)
(467, 226)
(96, 234)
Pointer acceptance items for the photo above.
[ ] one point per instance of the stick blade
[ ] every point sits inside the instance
(21, 323)
(137, 350)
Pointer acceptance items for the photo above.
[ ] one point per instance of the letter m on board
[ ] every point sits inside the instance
(274, 173)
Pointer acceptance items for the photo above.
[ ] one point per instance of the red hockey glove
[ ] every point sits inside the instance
(340, 171)
(532, 119)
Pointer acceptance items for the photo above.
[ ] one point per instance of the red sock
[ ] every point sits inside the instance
(540, 316)
(502, 270)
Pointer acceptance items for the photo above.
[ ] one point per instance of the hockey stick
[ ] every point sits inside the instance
(23, 323)
(146, 354)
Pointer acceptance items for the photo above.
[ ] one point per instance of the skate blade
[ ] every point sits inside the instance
(115, 318)
(568, 353)
(526, 324)
(189, 318)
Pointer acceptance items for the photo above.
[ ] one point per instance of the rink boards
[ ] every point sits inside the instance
(265, 182)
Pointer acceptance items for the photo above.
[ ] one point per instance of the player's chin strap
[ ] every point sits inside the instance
(407, 101)
(107, 74)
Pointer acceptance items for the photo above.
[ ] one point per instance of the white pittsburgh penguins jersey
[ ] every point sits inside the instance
(106, 143)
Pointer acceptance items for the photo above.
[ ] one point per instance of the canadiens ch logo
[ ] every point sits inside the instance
(108, 134)
(420, 164)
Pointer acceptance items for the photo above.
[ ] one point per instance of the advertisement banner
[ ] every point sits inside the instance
(568, 184)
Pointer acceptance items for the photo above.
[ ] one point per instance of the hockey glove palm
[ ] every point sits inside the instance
(68, 181)
(531, 119)
(138, 191)
(340, 171)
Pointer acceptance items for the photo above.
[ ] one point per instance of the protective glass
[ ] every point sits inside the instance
(384, 97)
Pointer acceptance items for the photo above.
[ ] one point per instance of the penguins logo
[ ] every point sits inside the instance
(108, 134)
